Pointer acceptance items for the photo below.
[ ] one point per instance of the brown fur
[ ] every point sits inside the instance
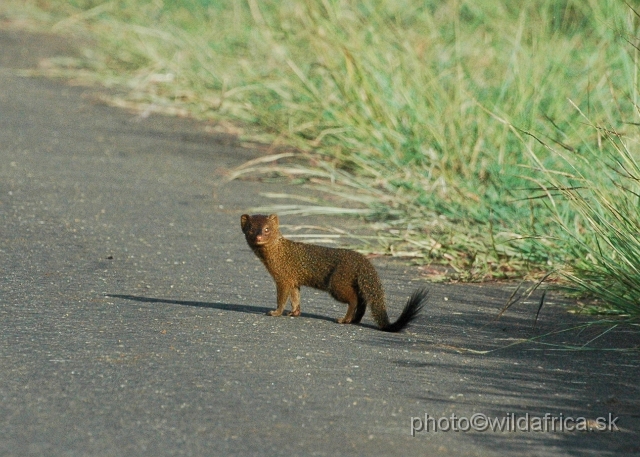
(347, 275)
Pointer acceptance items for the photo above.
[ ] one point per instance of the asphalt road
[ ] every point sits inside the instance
(132, 314)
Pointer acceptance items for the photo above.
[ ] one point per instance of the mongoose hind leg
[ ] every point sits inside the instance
(351, 311)
(359, 312)
(344, 293)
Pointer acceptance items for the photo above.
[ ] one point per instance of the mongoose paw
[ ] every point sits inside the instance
(294, 313)
(275, 312)
(343, 320)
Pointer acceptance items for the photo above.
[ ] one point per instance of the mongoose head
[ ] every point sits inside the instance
(260, 230)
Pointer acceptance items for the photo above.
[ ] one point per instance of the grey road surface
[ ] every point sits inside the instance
(132, 315)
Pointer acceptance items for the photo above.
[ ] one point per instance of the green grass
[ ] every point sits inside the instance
(486, 134)
(597, 207)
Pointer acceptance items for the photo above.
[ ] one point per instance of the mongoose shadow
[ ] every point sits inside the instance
(248, 309)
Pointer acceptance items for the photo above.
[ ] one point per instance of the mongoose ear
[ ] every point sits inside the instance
(274, 218)
(244, 221)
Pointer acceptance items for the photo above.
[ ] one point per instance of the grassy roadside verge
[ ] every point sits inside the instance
(489, 136)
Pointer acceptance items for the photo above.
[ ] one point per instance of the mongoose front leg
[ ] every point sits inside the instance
(295, 302)
(283, 293)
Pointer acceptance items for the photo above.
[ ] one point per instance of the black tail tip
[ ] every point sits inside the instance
(411, 310)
